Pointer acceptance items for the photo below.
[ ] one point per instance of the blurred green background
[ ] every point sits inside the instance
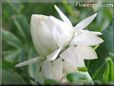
(18, 46)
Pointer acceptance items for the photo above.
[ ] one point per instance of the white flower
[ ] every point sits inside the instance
(49, 34)
(54, 38)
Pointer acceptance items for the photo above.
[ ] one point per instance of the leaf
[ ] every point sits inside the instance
(11, 39)
(108, 75)
(11, 77)
(11, 55)
(18, 26)
(51, 82)
(23, 26)
(82, 69)
(17, 7)
(79, 77)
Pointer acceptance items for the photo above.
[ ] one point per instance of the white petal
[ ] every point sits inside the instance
(70, 55)
(84, 23)
(30, 61)
(64, 18)
(41, 33)
(52, 70)
(54, 54)
(46, 70)
(49, 33)
(96, 33)
(86, 38)
(57, 69)
(68, 68)
(61, 32)
(86, 52)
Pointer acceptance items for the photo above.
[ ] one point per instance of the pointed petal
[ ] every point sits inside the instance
(52, 70)
(96, 33)
(57, 69)
(84, 23)
(64, 18)
(68, 68)
(86, 52)
(30, 61)
(54, 54)
(70, 55)
(46, 70)
(86, 38)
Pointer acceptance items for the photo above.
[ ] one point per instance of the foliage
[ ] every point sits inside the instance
(18, 46)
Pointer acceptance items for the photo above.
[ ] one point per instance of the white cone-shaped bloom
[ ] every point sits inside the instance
(49, 33)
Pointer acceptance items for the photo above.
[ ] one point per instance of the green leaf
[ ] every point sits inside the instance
(108, 75)
(79, 78)
(10, 56)
(23, 26)
(11, 39)
(19, 27)
(16, 7)
(51, 82)
(11, 77)
(82, 69)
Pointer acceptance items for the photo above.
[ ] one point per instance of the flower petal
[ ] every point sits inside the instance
(57, 69)
(54, 54)
(51, 29)
(46, 70)
(52, 70)
(96, 33)
(70, 55)
(85, 37)
(30, 61)
(64, 18)
(84, 23)
(86, 52)
(68, 68)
